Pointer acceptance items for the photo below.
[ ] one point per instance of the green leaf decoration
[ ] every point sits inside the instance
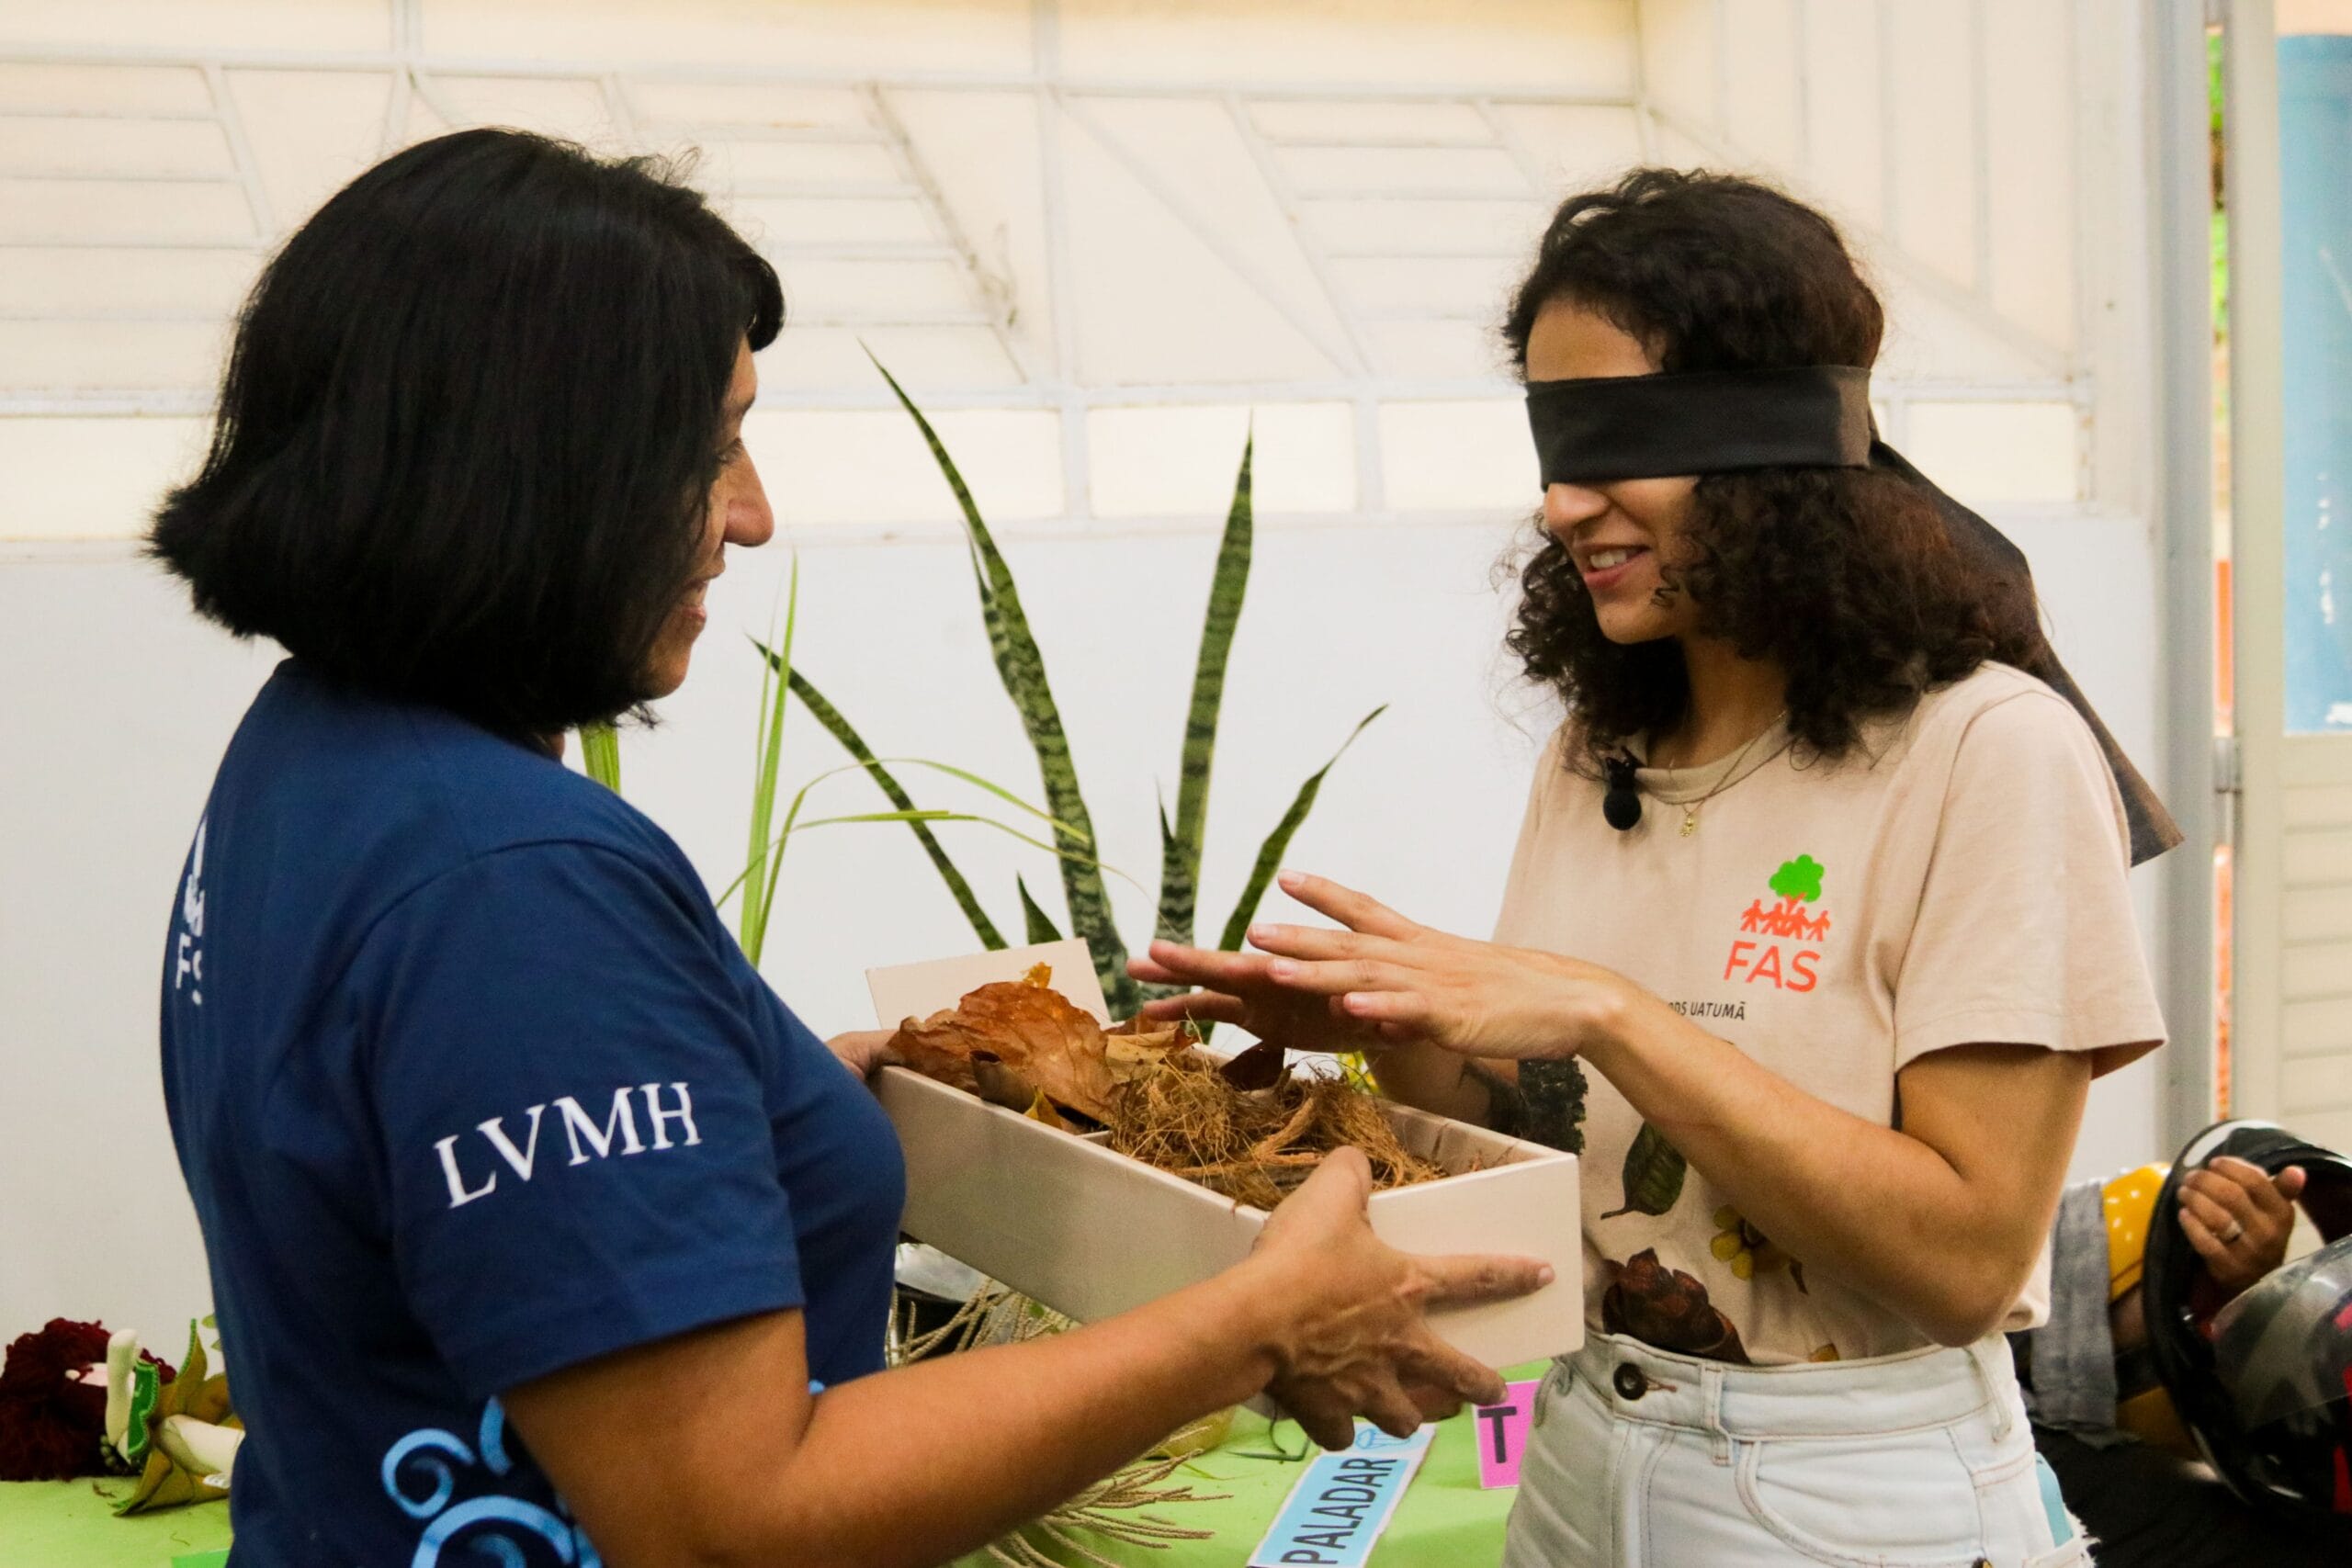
(1180, 870)
(1040, 924)
(194, 1369)
(1277, 844)
(1654, 1172)
(1175, 887)
(146, 1396)
(1022, 668)
(767, 750)
(840, 728)
(1799, 879)
(793, 824)
(600, 754)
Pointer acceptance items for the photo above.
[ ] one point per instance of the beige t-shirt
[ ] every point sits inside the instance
(1958, 878)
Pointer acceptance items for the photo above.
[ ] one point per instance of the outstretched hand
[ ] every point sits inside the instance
(1356, 1341)
(1385, 978)
(1236, 988)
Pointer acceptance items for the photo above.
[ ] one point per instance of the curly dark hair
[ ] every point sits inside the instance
(1844, 578)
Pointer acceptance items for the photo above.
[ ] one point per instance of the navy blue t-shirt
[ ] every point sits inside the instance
(469, 1084)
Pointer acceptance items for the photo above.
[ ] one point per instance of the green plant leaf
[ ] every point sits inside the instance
(776, 682)
(1270, 854)
(1652, 1174)
(854, 744)
(600, 754)
(792, 825)
(1021, 667)
(1041, 924)
(1179, 869)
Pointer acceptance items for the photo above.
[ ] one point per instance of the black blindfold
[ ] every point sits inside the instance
(1705, 422)
(1602, 429)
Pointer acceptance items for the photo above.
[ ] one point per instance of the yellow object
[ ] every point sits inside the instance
(2151, 1418)
(2131, 1204)
(1197, 1438)
(1745, 1247)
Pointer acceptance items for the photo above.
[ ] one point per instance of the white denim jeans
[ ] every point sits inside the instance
(1639, 1459)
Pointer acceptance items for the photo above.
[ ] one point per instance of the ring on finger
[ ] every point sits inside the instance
(2238, 1229)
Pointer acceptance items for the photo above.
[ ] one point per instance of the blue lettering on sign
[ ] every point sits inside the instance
(1335, 1514)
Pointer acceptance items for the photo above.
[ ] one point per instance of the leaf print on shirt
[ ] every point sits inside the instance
(1652, 1174)
(1663, 1306)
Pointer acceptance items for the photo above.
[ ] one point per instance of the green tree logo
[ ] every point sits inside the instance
(1799, 880)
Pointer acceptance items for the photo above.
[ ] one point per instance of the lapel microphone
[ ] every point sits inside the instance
(1621, 801)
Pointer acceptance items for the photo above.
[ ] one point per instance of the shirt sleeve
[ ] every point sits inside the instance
(2025, 932)
(569, 1100)
(1549, 764)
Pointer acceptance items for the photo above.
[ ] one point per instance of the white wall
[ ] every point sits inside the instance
(121, 702)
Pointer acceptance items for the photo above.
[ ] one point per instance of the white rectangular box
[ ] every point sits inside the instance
(1092, 1233)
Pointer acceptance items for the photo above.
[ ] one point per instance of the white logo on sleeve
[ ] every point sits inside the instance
(586, 1138)
(188, 949)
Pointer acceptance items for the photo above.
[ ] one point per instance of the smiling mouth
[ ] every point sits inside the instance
(1609, 559)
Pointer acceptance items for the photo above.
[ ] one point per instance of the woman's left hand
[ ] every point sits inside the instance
(864, 1051)
(1415, 984)
(2238, 1219)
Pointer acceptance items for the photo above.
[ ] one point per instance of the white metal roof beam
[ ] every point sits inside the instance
(974, 81)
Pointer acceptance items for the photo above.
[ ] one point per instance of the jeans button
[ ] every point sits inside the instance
(1629, 1382)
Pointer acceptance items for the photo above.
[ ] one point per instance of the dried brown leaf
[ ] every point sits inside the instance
(1037, 1040)
(1260, 1066)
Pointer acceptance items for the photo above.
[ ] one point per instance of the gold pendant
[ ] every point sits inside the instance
(1690, 821)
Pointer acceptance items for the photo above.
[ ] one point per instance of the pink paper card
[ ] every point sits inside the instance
(1502, 1434)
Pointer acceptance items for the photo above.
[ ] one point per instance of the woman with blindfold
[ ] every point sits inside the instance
(1819, 921)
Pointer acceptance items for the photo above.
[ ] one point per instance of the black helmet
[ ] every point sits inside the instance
(2282, 1352)
(2239, 1401)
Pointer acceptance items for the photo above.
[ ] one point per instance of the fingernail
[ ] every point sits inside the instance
(1289, 880)
(1282, 969)
(1262, 934)
(1544, 1276)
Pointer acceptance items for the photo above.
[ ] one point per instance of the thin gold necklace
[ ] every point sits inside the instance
(1690, 808)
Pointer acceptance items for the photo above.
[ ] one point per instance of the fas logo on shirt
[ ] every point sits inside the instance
(1781, 946)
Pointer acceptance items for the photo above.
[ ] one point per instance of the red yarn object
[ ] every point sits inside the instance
(53, 1424)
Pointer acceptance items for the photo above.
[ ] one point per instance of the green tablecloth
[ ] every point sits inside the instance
(1445, 1521)
(70, 1524)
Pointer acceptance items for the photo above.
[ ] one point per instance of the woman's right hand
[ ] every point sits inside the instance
(1236, 989)
(1349, 1332)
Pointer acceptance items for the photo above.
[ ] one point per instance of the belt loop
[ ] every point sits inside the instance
(1980, 1356)
(1711, 1390)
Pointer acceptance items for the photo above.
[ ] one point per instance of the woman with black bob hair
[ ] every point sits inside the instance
(1822, 877)
(540, 1228)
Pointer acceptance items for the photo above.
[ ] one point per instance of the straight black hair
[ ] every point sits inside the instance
(468, 426)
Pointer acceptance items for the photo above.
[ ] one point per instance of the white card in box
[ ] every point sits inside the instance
(1092, 1233)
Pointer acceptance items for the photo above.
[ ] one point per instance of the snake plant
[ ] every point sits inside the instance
(1021, 666)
